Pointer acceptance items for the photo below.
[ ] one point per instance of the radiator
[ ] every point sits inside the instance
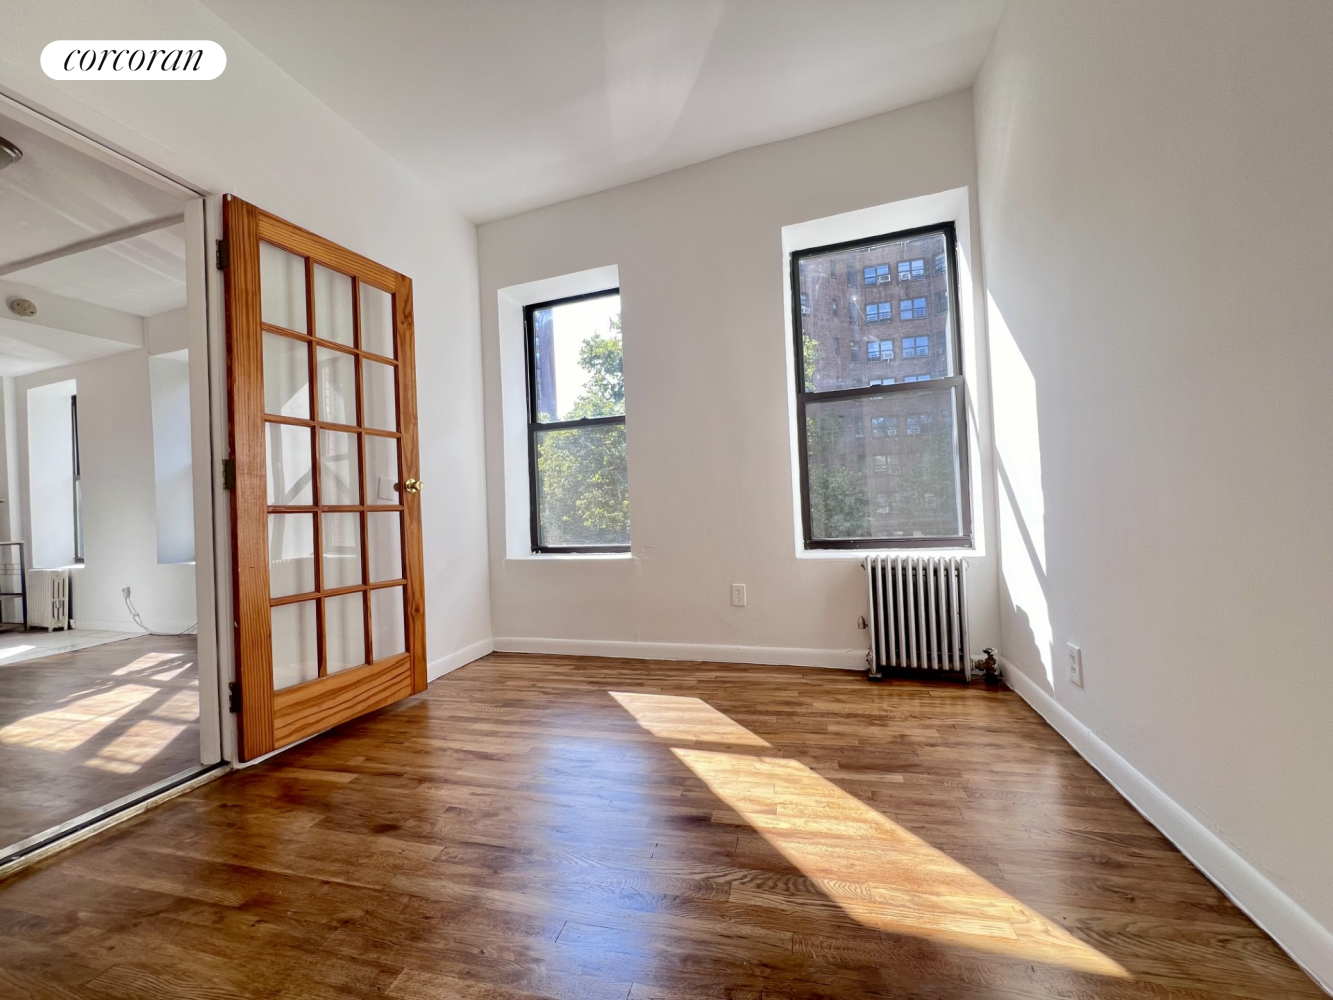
(918, 616)
(48, 598)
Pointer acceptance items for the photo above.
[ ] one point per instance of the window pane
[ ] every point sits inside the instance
(388, 631)
(339, 469)
(381, 470)
(576, 354)
(376, 321)
(884, 466)
(344, 631)
(336, 372)
(295, 644)
(875, 309)
(333, 305)
(291, 554)
(289, 464)
(342, 549)
(583, 486)
(286, 376)
(379, 405)
(281, 288)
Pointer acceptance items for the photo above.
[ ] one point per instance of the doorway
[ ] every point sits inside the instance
(108, 661)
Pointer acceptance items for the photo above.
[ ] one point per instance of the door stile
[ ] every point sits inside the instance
(414, 598)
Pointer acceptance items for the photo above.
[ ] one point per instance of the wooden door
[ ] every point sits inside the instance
(326, 521)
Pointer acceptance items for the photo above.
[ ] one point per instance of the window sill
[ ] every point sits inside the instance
(859, 554)
(570, 557)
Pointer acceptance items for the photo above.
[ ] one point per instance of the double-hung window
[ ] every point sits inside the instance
(576, 424)
(839, 413)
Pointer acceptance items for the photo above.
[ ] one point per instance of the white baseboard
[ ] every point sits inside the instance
(439, 667)
(838, 659)
(126, 625)
(1308, 942)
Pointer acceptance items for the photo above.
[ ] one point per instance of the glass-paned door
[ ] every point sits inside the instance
(325, 510)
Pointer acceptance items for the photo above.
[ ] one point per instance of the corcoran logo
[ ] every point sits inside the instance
(155, 60)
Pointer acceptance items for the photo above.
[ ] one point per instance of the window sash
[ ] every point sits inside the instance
(537, 426)
(956, 381)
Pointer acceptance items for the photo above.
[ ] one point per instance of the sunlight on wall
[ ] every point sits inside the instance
(1016, 431)
(673, 717)
(69, 726)
(878, 873)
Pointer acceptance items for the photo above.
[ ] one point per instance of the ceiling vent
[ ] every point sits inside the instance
(9, 153)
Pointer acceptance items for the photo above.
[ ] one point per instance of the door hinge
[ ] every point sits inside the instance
(229, 473)
(223, 255)
(233, 698)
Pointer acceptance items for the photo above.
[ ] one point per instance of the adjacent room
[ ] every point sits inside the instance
(666, 500)
(98, 678)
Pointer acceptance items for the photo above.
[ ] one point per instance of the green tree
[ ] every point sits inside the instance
(583, 474)
(839, 500)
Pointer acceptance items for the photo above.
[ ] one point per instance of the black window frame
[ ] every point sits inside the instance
(957, 381)
(535, 426)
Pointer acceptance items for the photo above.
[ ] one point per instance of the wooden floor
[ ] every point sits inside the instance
(83, 728)
(577, 828)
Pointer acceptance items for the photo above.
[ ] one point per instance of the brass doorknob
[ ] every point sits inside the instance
(413, 485)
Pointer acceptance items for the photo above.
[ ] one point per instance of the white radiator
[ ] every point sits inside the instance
(48, 598)
(918, 616)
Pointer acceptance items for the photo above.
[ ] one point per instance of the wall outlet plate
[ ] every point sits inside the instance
(1075, 664)
(738, 595)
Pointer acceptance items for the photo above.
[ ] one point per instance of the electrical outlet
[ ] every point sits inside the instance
(738, 595)
(1075, 664)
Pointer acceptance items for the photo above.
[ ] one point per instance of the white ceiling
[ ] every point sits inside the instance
(505, 105)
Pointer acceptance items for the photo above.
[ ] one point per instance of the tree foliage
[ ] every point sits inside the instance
(583, 475)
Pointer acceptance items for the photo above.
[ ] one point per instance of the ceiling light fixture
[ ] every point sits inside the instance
(9, 153)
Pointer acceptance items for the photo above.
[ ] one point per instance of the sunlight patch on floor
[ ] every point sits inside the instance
(674, 717)
(62, 729)
(136, 746)
(880, 874)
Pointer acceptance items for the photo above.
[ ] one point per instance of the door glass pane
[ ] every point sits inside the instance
(381, 470)
(289, 466)
(583, 486)
(337, 386)
(291, 554)
(386, 619)
(295, 653)
(281, 288)
(286, 376)
(345, 631)
(333, 306)
(885, 466)
(384, 537)
(577, 359)
(342, 550)
(380, 404)
(376, 321)
(339, 469)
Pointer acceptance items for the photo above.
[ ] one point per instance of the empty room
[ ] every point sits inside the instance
(665, 499)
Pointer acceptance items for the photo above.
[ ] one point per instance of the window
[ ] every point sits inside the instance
(834, 303)
(78, 481)
(576, 425)
(855, 353)
(916, 347)
(851, 276)
(922, 499)
(879, 350)
(805, 304)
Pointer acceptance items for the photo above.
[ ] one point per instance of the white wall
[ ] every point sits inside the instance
(701, 271)
(258, 134)
(169, 383)
(119, 494)
(1156, 210)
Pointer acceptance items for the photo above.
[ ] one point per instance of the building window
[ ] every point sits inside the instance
(916, 347)
(928, 503)
(912, 309)
(576, 425)
(879, 350)
(805, 304)
(834, 303)
(851, 276)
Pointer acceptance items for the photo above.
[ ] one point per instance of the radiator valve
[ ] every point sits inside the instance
(990, 668)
